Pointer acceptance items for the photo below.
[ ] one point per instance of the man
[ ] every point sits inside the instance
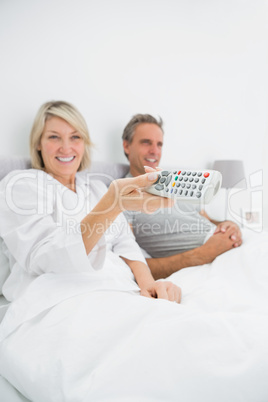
(178, 237)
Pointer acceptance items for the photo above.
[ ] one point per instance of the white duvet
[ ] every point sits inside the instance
(106, 344)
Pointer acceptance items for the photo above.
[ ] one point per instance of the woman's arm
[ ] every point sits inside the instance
(122, 194)
(126, 194)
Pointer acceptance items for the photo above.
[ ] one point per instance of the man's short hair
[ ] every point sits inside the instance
(137, 119)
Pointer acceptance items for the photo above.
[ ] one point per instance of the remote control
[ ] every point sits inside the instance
(187, 185)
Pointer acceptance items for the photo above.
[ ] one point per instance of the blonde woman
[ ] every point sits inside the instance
(54, 238)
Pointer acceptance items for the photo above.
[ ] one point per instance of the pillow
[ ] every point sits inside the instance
(108, 171)
(4, 266)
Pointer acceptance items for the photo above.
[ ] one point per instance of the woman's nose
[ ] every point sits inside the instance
(65, 146)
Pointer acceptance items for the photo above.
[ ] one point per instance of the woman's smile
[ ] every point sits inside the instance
(62, 149)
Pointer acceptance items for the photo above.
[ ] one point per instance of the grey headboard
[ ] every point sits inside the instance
(104, 171)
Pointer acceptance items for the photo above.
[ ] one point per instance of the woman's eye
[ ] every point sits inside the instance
(53, 137)
(76, 137)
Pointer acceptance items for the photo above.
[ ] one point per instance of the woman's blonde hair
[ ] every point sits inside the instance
(71, 115)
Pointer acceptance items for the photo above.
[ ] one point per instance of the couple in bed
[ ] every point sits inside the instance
(66, 239)
(60, 152)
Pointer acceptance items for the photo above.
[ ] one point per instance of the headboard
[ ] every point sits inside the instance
(104, 171)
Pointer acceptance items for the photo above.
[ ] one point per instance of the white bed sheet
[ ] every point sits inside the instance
(7, 392)
(3, 307)
(114, 346)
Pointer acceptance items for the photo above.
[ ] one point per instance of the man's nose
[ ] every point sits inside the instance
(154, 149)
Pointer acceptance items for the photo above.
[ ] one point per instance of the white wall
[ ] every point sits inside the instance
(200, 64)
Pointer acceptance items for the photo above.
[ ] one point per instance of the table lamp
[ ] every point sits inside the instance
(232, 176)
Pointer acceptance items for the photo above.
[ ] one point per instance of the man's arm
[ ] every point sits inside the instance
(214, 246)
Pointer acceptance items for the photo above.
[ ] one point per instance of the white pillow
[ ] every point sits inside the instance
(4, 266)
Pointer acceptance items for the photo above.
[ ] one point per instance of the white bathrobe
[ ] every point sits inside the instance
(40, 226)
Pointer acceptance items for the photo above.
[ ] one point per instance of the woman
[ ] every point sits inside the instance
(68, 242)
(60, 147)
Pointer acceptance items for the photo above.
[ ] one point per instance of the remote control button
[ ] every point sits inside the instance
(175, 172)
(186, 192)
(203, 181)
(171, 191)
(168, 180)
(178, 184)
(193, 186)
(183, 173)
(176, 178)
(194, 174)
(158, 178)
(198, 194)
(180, 178)
(163, 179)
(165, 173)
(175, 191)
(191, 179)
(185, 178)
(179, 172)
(196, 180)
(166, 190)
(159, 187)
(199, 174)
(180, 192)
(206, 174)
(200, 187)
(173, 184)
(191, 193)
(188, 173)
(188, 185)
(182, 185)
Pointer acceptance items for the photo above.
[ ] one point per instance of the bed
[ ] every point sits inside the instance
(211, 347)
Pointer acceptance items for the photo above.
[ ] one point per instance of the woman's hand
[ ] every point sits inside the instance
(151, 288)
(129, 194)
(163, 290)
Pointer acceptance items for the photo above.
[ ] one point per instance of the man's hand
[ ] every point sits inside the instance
(226, 227)
(216, 245)
(232, 230)
(163, 290)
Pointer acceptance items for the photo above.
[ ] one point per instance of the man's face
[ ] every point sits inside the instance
(145, 148)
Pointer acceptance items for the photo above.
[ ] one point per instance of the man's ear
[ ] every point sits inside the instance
(126, 146)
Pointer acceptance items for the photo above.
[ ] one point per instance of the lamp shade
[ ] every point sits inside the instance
(232, 172)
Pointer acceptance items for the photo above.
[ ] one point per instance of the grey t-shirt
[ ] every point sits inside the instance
(169, 231)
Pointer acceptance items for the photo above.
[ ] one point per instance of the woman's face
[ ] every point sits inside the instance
(62, 149)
